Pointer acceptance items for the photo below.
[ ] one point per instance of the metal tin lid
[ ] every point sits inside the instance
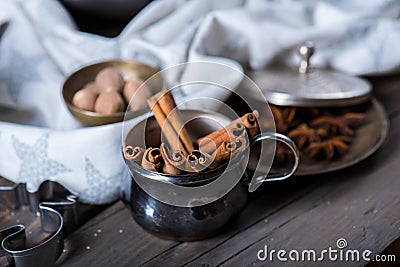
(308, 86)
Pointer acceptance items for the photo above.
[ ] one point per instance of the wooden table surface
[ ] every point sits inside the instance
(360, 203)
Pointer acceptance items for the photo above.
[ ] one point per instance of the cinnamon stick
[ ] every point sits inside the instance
(251, 124)
(168, 117)
(165, 125)
(222, 154)
(178, 159)
(152, 159)
(173, 113)
(169, 166)
(198, 161)
(223, 134)
(233, 130)
(211, 142)
(133, 153)
(240, 144)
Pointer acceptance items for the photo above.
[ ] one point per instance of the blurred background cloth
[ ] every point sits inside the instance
(103, 17)
(40, 140)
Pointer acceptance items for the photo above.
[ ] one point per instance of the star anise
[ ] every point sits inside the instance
(282, 154)
(305, 136)
(284, 118)
(343, 125)
(329, 148)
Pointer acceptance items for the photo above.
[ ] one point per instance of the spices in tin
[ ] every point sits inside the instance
(329, 148)
(303, 135)
(110, 93)
(319, 133)
(339, 125)
(180, 154)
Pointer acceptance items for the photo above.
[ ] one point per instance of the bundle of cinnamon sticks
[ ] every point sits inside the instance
(178, 154)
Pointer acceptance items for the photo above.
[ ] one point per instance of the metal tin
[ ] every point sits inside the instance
(310, 87)
(86, 74)
(184, 223)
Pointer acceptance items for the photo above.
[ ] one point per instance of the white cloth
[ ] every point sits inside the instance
(40, 140)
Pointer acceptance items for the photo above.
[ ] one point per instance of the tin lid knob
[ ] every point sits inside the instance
(306, 51)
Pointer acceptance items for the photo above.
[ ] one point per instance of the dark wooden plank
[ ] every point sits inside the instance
(112, 239)
(8, 216)
(387, 90)
(141, 247)
(359, 204)
(271, 199)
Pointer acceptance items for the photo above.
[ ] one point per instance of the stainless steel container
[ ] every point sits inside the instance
(197, 221)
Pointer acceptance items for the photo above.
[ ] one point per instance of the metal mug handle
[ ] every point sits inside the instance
(256, 181)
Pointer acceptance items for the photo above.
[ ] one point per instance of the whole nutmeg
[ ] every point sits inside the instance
(131, 90)
(109, 103)
(109, 79)
(85, 99)
(92, 86)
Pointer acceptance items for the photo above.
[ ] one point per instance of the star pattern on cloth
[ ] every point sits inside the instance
(17, 71)
(36, 166)
(101, 188)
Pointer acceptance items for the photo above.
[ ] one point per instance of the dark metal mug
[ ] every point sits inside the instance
(197, 222)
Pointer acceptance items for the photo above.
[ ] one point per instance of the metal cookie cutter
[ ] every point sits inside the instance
(58, 211)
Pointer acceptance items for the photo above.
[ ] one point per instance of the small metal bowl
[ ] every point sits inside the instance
(225, 188)
(175, 222)
(86, 74)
